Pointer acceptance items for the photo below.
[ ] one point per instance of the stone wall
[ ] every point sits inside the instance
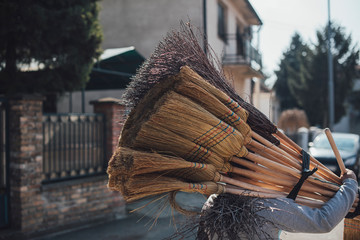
(35, 206)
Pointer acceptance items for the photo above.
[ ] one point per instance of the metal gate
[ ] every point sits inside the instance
(4, 164)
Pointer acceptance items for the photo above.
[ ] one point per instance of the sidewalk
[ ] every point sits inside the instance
(129, 228)
(137, 226)
(134, 226)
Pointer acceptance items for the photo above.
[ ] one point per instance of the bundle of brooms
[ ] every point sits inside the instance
(185, 134)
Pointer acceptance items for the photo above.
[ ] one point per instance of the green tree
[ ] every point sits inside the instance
(307, 77)
(292, 61)
(345, 57)
(47, 46)
(354, 96)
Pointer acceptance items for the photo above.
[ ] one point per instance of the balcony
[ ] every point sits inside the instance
(239, 51)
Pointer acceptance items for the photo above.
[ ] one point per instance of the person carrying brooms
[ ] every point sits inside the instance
(174, 140)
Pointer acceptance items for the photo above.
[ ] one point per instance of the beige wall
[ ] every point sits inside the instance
(233, 17)
(143, 23)
(211, 18)
(241, 84)
(266, 102)
(239, 81)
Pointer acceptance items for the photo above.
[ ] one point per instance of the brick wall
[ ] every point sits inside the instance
(114, 111)
(78, 201)
(25, 143)
(35, 206)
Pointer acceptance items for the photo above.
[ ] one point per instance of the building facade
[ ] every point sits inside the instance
(230, 26)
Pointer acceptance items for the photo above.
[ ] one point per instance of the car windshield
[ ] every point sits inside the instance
(342, 143)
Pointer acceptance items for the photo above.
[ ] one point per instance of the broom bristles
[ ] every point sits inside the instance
(209, 132)
(155, 98)
(164, 165)
(195, 87)
(216, 139)
(209, 115)
(144, 186)
(214, 106)
(142, 112)
(180, 48)
(131, 162)
(158, 139)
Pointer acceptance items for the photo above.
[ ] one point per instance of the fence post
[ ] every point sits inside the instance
(25, 123)
(114, 111)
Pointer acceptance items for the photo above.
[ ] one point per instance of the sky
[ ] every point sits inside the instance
(281, 18)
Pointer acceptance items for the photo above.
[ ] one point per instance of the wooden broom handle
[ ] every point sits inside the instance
(285, 169)
(295, 155)
(336, 151)
(332, 175)
(237, 191)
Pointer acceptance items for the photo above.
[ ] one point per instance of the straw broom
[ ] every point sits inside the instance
(180, 48)
(184, 129)
(196, 123)
(123, 178)
(143, 186)
(146, 185)
(173, 53)
(190, 84)
(164, 138)
(143, 162)
(250, 114)
(156, 141)
(165, 143)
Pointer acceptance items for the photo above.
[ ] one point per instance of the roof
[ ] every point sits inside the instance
(115, 68)
(256, 16)
(112, 52)
(248, 12)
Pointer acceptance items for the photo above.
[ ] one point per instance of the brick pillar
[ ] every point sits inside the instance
(115, 112)
(25, 113)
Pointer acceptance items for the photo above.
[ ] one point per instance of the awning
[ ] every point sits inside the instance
(114, 69)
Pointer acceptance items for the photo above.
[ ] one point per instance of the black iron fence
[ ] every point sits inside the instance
(73, 146)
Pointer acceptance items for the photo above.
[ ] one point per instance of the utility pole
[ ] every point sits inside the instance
(331, 98)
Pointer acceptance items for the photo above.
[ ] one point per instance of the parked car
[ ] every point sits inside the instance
(349, 148)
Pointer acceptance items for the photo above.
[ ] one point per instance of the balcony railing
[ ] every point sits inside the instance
(240, 51)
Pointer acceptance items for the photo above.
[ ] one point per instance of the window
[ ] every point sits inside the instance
(221, 22)
(239, 42)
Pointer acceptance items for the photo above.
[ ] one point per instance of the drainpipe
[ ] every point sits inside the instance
(205, 26)
(330, 72)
